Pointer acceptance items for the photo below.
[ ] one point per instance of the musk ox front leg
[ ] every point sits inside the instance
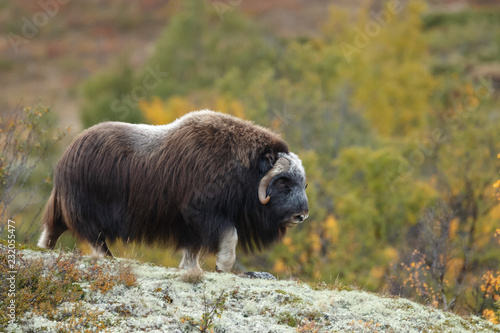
(227, 251)
(190, 259)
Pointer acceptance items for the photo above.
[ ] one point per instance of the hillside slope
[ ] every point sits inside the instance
(161, 301)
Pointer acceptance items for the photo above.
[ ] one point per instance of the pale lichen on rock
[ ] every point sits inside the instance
(162, 302)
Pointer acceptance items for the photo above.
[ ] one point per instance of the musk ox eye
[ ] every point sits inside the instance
(281, 182)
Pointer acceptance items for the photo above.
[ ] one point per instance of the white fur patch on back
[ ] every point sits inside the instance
(148, 137)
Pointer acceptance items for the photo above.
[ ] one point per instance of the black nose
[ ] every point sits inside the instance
(301, 217)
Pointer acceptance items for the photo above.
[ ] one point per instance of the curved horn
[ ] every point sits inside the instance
(281, 165)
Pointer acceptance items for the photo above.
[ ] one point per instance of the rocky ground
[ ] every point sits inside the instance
(160, 299)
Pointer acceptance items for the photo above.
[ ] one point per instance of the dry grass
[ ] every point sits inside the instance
(192, 276)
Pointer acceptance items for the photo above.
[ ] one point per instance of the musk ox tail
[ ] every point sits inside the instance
(53, 223)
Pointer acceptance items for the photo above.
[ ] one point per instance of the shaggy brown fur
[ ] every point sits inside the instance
(181, 185)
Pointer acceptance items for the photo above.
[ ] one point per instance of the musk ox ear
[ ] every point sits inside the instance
(266, 162)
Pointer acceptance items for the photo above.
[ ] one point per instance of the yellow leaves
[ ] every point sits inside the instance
(491, 288)
(337, 23)
(303, 258)
(490, 315)
(377, 272)
(331, 229)
(390, 254)
(491, 285)
(496, 186)
(454, 224)
(229, 106)
(279, 266)
(160, 112)
(472, 102)
(418, 279)
(469, 90)
(315, 241)
(454, 267)
(290, 248)
(417, 7)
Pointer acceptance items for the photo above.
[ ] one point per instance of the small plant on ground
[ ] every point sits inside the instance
(367, 326)
(126, 276)
(287, 318)
(80, 319)
(308, 326)
(39, 287)
(211, 308)
(103, 278)
(420, 280)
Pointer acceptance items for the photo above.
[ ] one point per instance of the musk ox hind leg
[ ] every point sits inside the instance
(53, 224)
(50, 235)
(227, 251)
(100, 247)
(190, 259)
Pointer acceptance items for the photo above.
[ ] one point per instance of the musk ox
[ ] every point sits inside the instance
(201, 183)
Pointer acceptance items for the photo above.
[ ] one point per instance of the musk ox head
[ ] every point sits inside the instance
(283, 189)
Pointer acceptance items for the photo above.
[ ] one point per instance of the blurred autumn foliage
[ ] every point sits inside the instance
(398, 133)
(490, 286)
(28, 139)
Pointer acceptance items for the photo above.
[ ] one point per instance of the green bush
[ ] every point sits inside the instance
(110, 96)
